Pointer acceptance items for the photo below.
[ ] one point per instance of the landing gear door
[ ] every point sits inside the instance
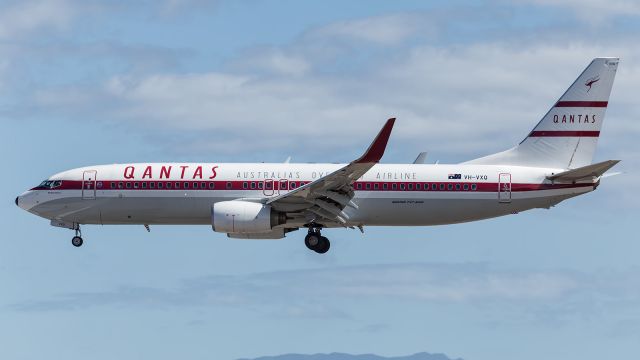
(504, 188)
(89, 184)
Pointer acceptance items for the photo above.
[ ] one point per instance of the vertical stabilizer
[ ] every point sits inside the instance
(567, 135)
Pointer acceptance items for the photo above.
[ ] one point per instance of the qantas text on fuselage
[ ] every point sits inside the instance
(553, 163)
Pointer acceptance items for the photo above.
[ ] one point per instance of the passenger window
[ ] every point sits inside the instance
(410, 186)
(293, 185)
(160, 185)
(376, 186)
(434, 186)
(385, 186)
(253, 185)
(466, 187)
(449, 186)
(212, 185)
(144, 185)
(186, 185)
(394, 186)
(120, 185)
(474, 187)
(359, 186)
(418, 186)
(457, 186)
(260, 185)
(245, 185)
(402, 186)
(229, 185)
(152, 185)
(441, 186)
(177, 185)
(195, 185)
(168, 185)
(113, 185)
(136, 185)
(368, 186)
(203, 185)
(128, 185)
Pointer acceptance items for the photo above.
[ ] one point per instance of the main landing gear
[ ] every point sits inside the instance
(77, 240)
(316, 242)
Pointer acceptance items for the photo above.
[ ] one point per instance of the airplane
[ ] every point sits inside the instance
(269, 200)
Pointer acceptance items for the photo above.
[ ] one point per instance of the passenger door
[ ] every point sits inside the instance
(89, 184)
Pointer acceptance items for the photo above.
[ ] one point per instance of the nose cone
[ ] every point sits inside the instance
(27, 200)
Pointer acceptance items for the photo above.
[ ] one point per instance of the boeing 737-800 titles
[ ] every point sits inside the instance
(267, 201)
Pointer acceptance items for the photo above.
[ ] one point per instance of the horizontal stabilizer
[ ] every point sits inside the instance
(588, 172)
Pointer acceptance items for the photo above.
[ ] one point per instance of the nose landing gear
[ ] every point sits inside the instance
(77, 240)
(316, 242)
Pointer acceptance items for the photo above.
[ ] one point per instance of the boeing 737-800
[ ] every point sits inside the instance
(267, 201)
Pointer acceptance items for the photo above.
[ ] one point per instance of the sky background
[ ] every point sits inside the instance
(87, 82)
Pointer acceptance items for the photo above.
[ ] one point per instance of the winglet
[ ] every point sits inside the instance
(376, 149)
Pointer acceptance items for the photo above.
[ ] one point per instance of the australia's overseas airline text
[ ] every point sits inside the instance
(210, 172)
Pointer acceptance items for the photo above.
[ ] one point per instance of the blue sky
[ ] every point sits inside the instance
(89, 82)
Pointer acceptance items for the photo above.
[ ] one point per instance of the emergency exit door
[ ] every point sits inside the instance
(504, 188)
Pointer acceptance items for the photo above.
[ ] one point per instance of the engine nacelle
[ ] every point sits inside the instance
(243, 217)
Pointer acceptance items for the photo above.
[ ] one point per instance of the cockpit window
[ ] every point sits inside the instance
(50, 184)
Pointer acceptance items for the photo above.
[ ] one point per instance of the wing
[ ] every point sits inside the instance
(323, 200)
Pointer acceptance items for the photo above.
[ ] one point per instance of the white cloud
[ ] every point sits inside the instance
(383, 30)
(23, 17)
(438, 93)
(414, 282)
(549, 294)
(271, 61)
(461, 283)
(594, 11)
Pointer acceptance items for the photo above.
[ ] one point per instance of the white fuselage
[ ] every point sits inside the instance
(388, 195)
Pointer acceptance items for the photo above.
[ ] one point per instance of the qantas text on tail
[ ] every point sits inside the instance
(266, 201)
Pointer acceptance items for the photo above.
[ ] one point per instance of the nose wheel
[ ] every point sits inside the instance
(316, 242)
(77, 240)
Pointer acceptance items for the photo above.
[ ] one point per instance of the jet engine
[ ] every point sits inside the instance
(243, 217)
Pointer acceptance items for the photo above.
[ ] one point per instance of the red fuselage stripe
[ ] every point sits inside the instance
(563, 133)
(109, 185)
